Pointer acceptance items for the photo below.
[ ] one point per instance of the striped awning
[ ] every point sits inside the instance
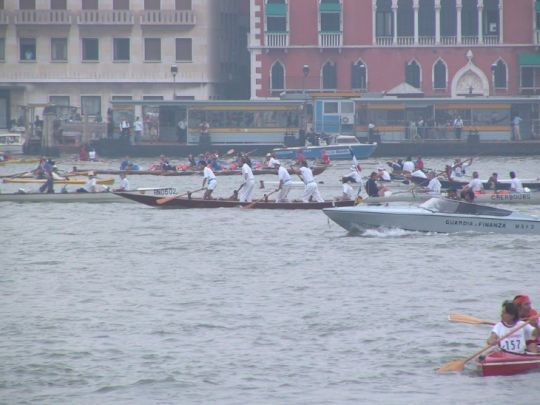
(276, 10)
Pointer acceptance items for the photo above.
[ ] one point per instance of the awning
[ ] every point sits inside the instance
(330, 8)
(276, 10)
(529, 59)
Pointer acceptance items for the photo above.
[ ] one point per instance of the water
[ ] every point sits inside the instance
(127, 304)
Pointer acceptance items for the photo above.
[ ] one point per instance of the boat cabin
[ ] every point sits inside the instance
(447, 206)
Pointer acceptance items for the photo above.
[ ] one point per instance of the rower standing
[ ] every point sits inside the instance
(311, 189)
(515, 184)
(285, 183)
(210, 179)
(246, 189)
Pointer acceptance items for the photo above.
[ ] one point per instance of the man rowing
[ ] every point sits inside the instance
(246, 188)
(434, 185)
(311, 190)
(285, 182)
(209, 180)
(526, 311)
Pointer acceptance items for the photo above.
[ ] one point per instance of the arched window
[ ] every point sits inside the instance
(329, 76)
(330, 15)
(405, 18)
(469, 18)
(277, 75)
(359, 75)
(490, 19)
(439, 75)
(499, 75)
(426, 18)
(412, 74)
(276, 16)
(384, 19)
(448, 18)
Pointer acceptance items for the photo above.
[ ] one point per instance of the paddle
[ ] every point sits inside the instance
(468, 319)
(254, 203)
(455, 366)
(165, 200)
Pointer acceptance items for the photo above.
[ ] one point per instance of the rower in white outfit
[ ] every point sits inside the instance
(209, 180)
(311, 190)
(246, 189)
(285, 182)
(434, 185)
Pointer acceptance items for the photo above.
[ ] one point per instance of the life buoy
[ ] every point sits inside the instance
(344, 120)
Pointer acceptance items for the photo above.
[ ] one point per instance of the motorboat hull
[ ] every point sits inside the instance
(335, 152)
(503, 363)
(359, 218)
(483, 198)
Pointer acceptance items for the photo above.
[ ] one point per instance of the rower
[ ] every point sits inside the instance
(311, 189)
(515, 184)
(208, 177)
(434, 185)
(517, 342)
(373, 189)
(124, 183)
(348, 192)
(285, 182)
(492, 182)
(526, 311)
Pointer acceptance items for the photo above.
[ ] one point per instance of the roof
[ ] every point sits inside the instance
(404, 89)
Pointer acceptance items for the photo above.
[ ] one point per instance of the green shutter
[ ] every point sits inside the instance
(276, 10)
(330, 8)
(529, 59)
(538, 6)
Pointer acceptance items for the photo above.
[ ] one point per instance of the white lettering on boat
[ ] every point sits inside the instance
(483, 224)
(510, 197)
(165, 191)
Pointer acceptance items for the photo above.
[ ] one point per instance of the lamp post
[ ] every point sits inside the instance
(174, 71)
(305, 71)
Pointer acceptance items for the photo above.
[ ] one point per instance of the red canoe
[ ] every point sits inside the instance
(504, 363)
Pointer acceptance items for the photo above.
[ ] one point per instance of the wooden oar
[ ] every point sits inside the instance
(455, 366)
(165, 200)
(11, 176)
(254, 203)
(468, 319)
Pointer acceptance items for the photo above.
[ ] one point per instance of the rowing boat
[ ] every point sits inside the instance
(181, 202)
(56, 181)
(532, 184)
(505, 363)
(17, 161)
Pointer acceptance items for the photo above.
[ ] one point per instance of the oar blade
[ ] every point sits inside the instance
(165, 200)
(454, 366)
(468, 319)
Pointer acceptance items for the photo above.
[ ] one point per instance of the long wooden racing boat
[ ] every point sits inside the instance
(317, 169)
(24, 180)
(185, 202)
(505, 363)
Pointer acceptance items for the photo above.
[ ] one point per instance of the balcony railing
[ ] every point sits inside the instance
(491, 40)
(330, 39)
(448, 40)
(106, 17)
(277, 39)
(168, 17)
(4, 18)
(385, 41)
(469, 40)
(405, 40)
(41, 17)
(426, 40)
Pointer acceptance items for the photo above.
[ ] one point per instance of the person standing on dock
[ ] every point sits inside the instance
(516, 135)
(246, 189)
(138, 128)
(458, 127)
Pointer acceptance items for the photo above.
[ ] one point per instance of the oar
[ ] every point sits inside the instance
(468, 319)
(254, 203)
(11, 176)
(165, 200)
(455, 366)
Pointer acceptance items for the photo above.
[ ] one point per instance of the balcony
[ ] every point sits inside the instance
(277, 39)
(426, 40)
(448, 40)
(469, 40)
(168, 17)
(42, 17)
(106, 17)
(330, 39)
(4, 18)
(407, 41)
(385, 41)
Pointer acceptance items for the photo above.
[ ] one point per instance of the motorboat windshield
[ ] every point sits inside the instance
(447, 206)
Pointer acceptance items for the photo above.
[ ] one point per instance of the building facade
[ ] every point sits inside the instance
(435, 48)
(85, 53)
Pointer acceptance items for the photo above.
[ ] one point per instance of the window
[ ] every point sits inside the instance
(439, 75)
(330, 107)
(90, 49)
(59, 100)
(276, 16)
(2, 48)
(89, 4)
(527, 77)
(358, 75)
(122, 98)
(91, 105)
(448, 18)
(59, 49)
(330, 16)
(183, 49)
(28, 49)
(426, 18)
(152, 4)
(405, 18)
(153, 98)
(277, 77)
(183, 5)
(58, 4)
(384, 19)
(412, 74)
(499, 75)
(469, 18)
(152, 49)
(121, 49)
(120, 4)
(27, 4)
(329, 76)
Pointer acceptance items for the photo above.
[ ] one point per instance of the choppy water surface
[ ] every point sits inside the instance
(123, 303)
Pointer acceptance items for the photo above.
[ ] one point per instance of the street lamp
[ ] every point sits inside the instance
(174, 71)
(305, 71)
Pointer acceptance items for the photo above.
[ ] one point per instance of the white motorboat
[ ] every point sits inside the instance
(436, 215)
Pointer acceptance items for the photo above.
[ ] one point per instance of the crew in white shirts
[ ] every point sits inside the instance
(408, 165)
(434, 185)
(285, 183)
(311, 189)
(515, 184)
(209, 180)
(270, 161)
(383, 174)
(124, 183)
(354, 173)
(475, 185)
(348, 192)
(246, 189)
(90, 186)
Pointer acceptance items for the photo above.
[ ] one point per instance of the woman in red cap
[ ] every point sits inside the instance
(526, 311)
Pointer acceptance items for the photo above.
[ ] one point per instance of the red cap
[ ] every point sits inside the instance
(520, 299)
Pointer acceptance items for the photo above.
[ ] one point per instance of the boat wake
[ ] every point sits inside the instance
(389, 233)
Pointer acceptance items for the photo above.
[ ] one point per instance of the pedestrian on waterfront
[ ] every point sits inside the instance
(516, 135)
(209, 180)
(125, 130)
(311, 190)
(458, 127)
(182, 131)
(246, 188)
(515, 184)
(138, 128)
(285, 182)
